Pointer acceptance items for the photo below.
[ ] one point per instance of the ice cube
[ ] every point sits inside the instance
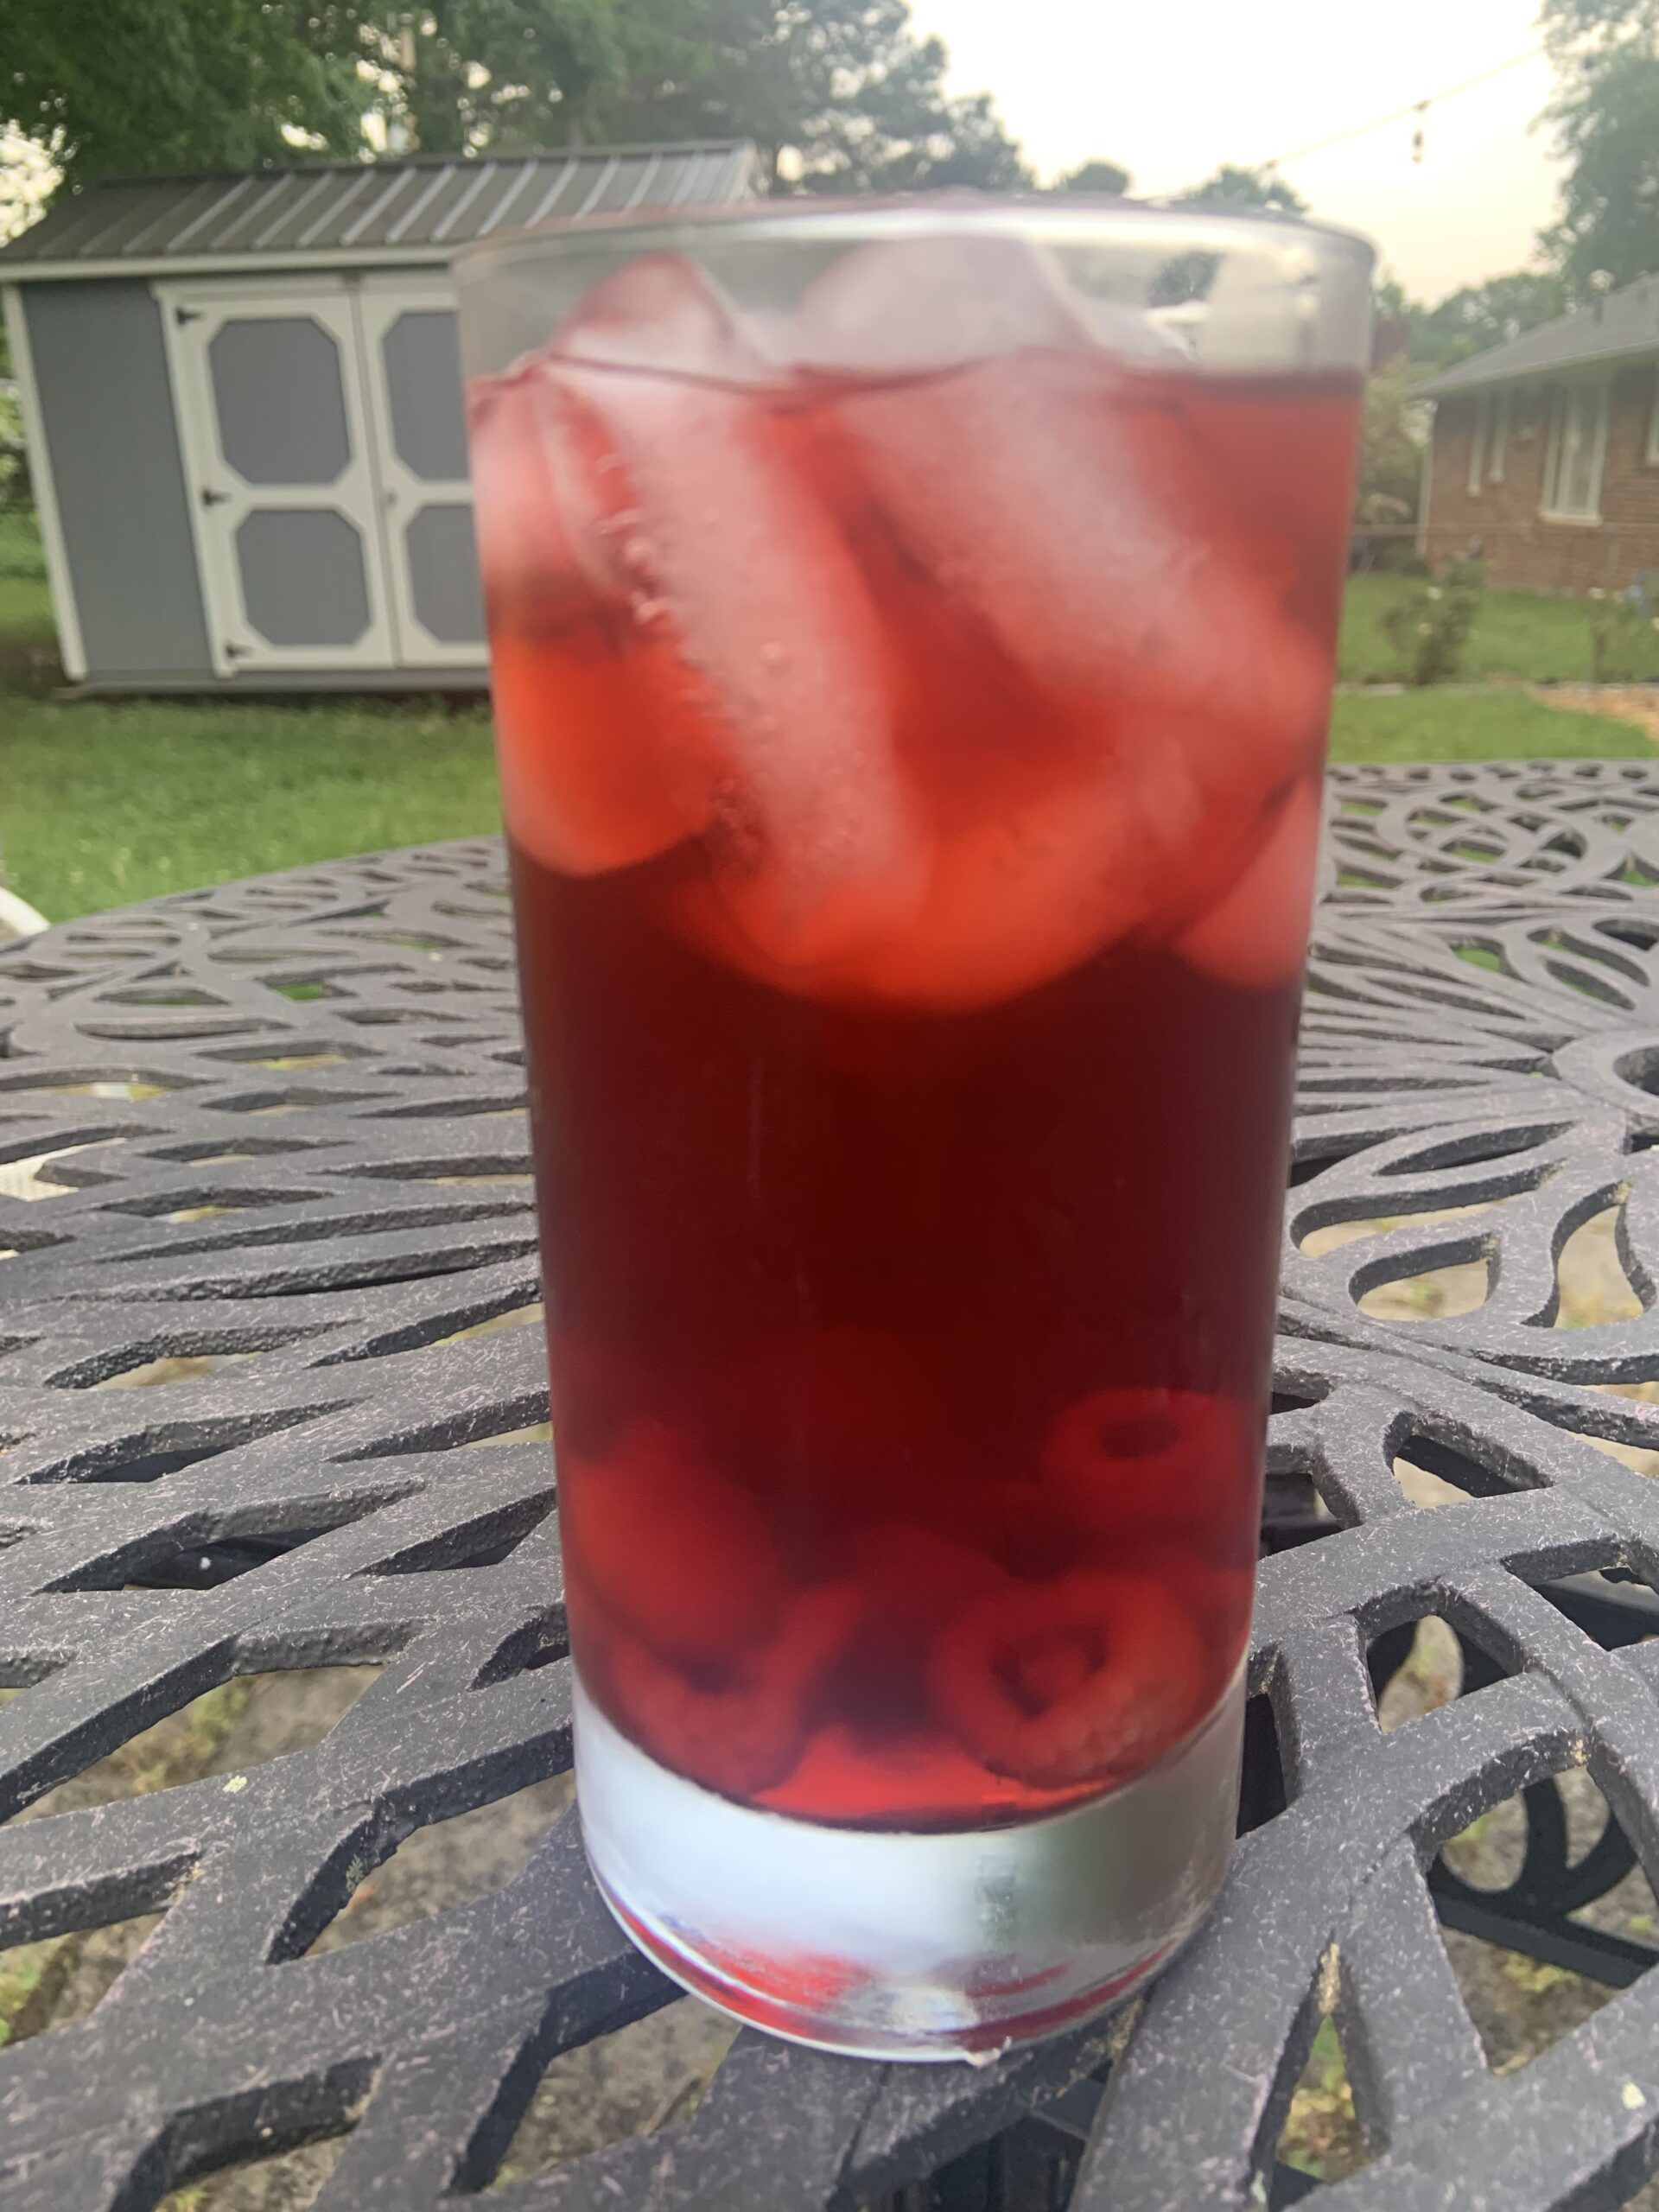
(662, 312)
(910, 304)
(1070, 506)
(1277, 299)
(1024, 890)
(1256, 933)
(772, 618)
(1058, 496)
(596, 770)
(537, 510)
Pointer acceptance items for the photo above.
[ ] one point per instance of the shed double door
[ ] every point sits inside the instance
(322, 433)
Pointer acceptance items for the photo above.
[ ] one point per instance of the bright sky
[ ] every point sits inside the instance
(1171, 88)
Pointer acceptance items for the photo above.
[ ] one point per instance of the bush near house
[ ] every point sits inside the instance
(1429, 628)
(1535, 637)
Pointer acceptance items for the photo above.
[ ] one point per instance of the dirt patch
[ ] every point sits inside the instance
(1636, 704)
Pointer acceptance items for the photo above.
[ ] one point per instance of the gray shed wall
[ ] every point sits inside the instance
(100, 369)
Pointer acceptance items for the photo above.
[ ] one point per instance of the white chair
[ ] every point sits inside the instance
(19, 1178)
(18, 918)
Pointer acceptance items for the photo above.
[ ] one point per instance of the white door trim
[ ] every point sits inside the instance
(196, 438)
(380, 302)
(220, 498)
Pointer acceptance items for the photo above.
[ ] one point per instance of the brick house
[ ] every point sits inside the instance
(1545, 452)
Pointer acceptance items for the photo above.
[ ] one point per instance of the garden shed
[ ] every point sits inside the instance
(242, 401)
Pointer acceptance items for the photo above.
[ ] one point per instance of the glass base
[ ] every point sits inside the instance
(887, 1944)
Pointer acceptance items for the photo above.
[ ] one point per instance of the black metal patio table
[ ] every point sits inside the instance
(278, 1142)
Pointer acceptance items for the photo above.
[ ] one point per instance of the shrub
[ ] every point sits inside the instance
(1623, 646)
(1399, 558)
(1431, 627)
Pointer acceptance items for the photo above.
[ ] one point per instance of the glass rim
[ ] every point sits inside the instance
(1076, 219)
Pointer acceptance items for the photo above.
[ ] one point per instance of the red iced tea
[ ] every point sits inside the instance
(914, 786)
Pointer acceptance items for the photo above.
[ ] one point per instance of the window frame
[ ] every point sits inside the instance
(1598, 390)
(1498, 442)
(1477, 444)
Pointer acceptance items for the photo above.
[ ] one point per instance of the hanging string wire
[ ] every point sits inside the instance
(1417, 108)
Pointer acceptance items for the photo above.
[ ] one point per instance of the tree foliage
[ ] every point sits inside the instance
(1391, 300)
(168, 85)
(468, 76)
(838, 94)
(1431, 627)
(152, 85)
(1096, 176)
(1607, 125)
(1232, 186)
(1390, 446)
(1606, 122)
(1481, 315)
(1574, 28)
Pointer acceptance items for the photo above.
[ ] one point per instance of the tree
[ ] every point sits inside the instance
(1232, 186)
(161, 85)
(170, 84)
(839, 95)
(1574, 28)
(1607, 125)
(1391, 299)
(1390, 446)
(1096, 176)
(1468, 321)
(1481, 315)
(473, 76)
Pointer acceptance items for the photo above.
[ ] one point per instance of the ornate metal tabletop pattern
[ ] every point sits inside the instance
(276, 1137)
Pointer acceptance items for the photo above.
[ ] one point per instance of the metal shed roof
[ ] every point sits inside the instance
(341, 214)
(1624, 322)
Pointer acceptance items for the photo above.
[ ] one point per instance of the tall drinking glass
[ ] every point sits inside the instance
(912, 630)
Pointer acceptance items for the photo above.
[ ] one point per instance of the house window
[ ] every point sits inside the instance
(1478, 443)
(1578, 449)
(1500, 437)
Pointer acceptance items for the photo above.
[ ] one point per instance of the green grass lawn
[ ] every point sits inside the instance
(103, 802)
(1495, 725)
(106, 800)
(25, 606)
(1516, 634)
